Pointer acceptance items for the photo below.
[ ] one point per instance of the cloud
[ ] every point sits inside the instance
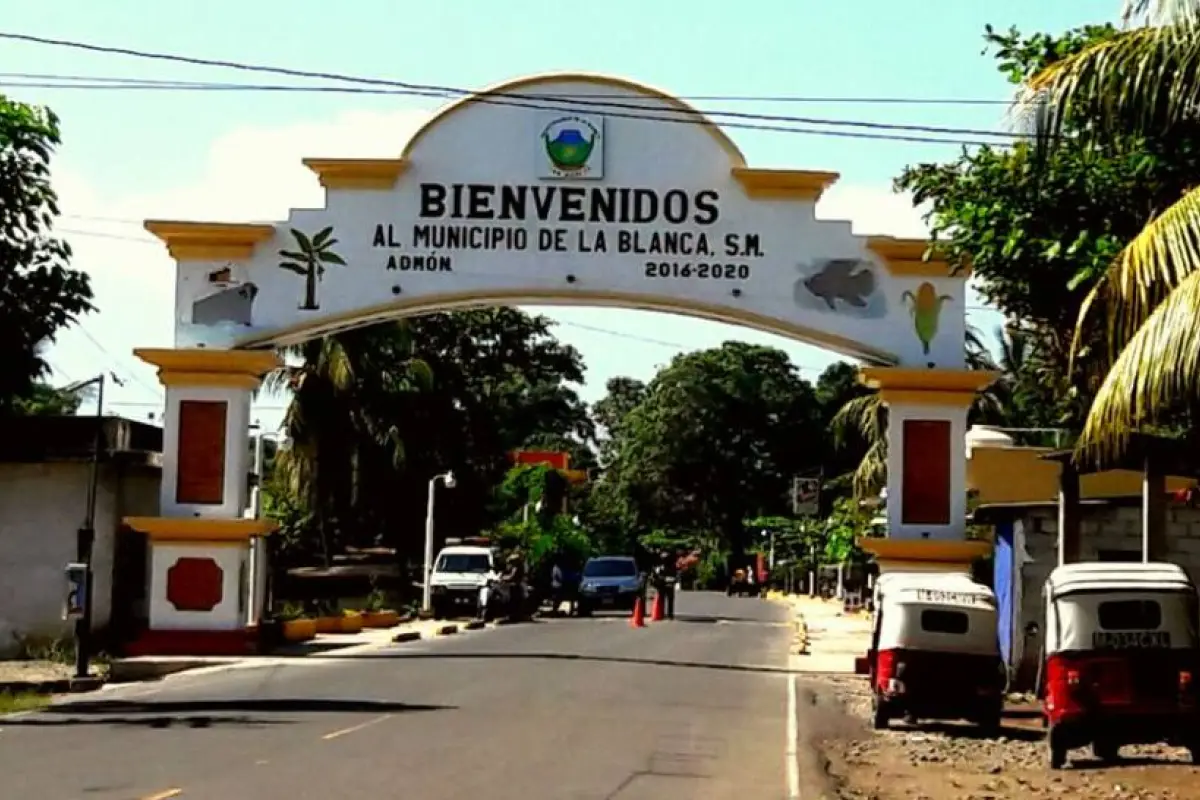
(874, 211)
(249, 174)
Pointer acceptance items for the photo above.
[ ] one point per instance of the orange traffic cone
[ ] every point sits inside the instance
(638, 620)
(656, 611)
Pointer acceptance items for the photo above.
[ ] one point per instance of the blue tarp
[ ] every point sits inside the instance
(1002, 584)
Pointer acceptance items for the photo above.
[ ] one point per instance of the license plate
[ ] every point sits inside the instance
(1131, 640)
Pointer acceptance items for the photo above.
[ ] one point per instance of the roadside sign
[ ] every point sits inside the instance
(75, 600)
(805, 492)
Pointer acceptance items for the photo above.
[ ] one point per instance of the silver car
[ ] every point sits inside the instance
(609, 582)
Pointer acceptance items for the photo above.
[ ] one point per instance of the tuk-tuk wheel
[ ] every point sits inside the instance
(1058, 753)
(881, 715)
(1106, 751)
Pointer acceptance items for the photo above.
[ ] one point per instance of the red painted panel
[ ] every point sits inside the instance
(926, 464)
(201, 476)
(195, 584)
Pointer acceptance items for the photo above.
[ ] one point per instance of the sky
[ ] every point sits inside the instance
(235, 155)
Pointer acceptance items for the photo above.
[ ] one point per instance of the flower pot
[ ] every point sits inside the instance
(299, 630)
(329, 624)
(352, 622)
(380, 619)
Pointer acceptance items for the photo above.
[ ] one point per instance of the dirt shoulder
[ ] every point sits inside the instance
(935, 761)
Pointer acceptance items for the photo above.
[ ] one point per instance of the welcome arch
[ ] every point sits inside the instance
(553, 189)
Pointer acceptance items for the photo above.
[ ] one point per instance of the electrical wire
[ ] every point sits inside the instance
(715, 98)
(546, 102)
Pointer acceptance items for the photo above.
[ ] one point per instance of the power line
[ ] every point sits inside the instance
(152, 83)
(556, 103)
(137, 85)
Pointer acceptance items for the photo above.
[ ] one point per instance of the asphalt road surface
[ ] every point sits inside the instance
(565, 709)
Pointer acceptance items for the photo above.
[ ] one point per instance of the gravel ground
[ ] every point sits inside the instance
(936, 761)
(34, 671)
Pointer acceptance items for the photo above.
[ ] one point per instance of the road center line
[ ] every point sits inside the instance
(164, 795)
(355, 728)
(791, 751)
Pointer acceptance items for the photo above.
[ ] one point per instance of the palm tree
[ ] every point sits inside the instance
(1144, 79)
(309, 260)
(341, 387)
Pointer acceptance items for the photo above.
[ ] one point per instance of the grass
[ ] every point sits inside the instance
(25, 701)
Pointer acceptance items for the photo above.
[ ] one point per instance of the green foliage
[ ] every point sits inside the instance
(1040, 228)
(715, 438)
(40, 293)
(44, 400)
(847, 522)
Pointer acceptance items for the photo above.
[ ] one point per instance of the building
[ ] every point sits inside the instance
(1044, 510)
(45, 472)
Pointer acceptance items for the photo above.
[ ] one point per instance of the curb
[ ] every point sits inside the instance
(446, 630)
(406, 636)
(473, 625)
(62, 686)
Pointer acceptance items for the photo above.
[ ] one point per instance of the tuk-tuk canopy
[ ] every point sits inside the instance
(934, 612)
(1114, 606)
(1117, 577)
(933, 588)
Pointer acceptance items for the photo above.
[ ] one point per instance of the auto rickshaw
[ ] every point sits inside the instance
(1119, 658)
(935, 652)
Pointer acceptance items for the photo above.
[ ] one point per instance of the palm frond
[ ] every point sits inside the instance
(1141, 80)
(1159, 12)
(1159, 366)
(861, 416)
(871, 473)
(1161, 257)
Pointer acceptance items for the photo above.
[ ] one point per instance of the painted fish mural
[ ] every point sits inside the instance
(569, 150)
(926, 309)
(840, 279)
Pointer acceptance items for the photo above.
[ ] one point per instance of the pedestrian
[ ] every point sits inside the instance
(557, 581)
(667, 577)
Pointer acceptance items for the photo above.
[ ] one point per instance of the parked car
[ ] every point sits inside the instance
(460, 576)
(609, 582)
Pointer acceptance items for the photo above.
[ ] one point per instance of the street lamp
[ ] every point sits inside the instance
(426, 589)
(86, 535)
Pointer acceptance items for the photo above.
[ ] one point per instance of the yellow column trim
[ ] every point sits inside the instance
(905, 258)
(357, 173)
(209, 241)
(925, 550)
(201, 529)
(926, 380)
(241, 369)
(783, 184)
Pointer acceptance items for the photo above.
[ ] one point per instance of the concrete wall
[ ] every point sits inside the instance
(42, 505)
(1111, 528)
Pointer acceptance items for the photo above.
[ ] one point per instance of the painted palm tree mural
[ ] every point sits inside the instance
(309, 260)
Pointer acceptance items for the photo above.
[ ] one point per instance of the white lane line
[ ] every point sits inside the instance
(791, 750)
(356, 728)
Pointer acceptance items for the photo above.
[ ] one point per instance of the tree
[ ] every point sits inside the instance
(715, 439)
(44, 400)
(1140, 85)
(1041, 225)
(39, 292)
(309, 260)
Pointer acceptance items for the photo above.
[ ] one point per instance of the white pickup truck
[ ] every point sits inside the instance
(458, 580)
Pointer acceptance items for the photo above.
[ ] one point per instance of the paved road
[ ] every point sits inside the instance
(561, 709)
